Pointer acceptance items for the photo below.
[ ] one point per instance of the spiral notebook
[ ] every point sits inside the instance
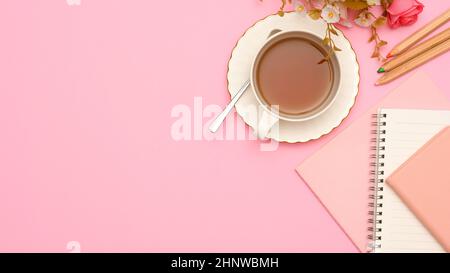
(401, 133)
(339, 173)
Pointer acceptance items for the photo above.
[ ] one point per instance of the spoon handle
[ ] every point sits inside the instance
(215, 125)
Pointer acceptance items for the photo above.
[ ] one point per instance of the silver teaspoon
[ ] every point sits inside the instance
(215, 125)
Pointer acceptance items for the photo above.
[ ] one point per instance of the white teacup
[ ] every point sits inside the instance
(271, 115)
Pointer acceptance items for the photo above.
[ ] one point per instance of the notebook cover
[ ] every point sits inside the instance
(423, 183)
(338, 174)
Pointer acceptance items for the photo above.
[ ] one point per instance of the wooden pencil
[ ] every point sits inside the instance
(415, 51)
(420, 34)
(414, 63)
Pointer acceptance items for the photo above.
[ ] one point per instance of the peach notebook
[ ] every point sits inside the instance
(423, 183)
(339, 173)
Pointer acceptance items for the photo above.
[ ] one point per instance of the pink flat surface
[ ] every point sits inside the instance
(86, 153)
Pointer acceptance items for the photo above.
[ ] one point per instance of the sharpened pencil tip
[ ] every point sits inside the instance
(389, 55)
(381, 70)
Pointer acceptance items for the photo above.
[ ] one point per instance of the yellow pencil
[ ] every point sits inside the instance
(414, 63)
(420, 34)
(415, 51)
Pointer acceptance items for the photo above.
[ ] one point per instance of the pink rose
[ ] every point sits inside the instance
(403, 12)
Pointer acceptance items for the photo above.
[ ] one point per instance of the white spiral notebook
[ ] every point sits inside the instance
(400, 133)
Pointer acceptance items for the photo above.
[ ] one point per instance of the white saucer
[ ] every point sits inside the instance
(239, 71)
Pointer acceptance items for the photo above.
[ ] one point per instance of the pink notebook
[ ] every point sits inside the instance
(339, 173)
(423, 183)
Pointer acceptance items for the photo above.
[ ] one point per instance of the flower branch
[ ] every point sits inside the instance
(335, 12)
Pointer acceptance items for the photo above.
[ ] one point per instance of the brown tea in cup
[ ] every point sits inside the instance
(288, 73)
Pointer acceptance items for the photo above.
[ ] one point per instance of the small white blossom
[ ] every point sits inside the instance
(299, 7)
(363, 20)
(330, 14)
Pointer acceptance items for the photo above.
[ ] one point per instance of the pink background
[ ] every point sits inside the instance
(86, 152)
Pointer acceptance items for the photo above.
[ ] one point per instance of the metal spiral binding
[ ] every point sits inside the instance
(377, 180)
